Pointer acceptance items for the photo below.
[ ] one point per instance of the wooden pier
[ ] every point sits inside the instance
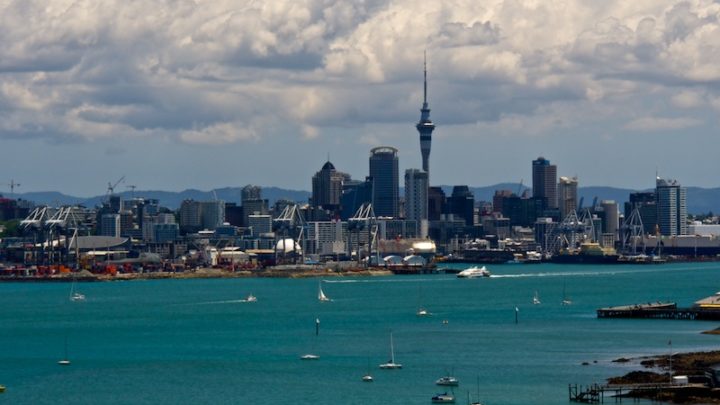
(660, 310)
(596, 393)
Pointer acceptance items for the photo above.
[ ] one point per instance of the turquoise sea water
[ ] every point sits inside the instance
(194, 341)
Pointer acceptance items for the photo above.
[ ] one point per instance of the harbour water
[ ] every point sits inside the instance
(195, 341)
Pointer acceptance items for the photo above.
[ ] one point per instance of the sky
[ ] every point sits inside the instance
(209, 94)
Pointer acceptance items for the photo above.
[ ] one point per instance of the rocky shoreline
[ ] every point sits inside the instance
(656, 371)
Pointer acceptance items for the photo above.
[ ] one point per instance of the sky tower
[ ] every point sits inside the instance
(425, 127)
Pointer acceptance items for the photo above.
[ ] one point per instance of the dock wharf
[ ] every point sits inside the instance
(660, 310)
(596, 393)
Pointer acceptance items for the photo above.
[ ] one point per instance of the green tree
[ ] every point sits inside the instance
(12, 228)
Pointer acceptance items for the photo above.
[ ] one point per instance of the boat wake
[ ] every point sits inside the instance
(393, 280)
(241, 301)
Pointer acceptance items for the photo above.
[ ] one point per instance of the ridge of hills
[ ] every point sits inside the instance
(700, 200)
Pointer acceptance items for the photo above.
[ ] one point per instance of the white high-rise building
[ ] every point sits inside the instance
(672, 207)
(567, 191)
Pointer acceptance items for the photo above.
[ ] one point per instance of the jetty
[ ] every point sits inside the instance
(596, 393)
(706, 309)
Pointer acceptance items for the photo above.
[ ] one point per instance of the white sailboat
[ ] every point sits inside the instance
(391, 365)
(75, 295)
(536, 299)
(565, 300)
(321, 295)
(368, 377)
(312, 356)
(421, 310)
(65, 361)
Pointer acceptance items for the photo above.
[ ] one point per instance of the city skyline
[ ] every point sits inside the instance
(216, 95)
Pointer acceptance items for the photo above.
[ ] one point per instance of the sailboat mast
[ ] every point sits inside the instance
(392, 350)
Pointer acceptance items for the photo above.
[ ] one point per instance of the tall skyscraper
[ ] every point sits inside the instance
(461, 203)
(545, 181)
(416, 195)
(327, 187)
(567, 195)
(425, 127)
(355, 194)
(385, 174)
(672, 207)
(646, 204)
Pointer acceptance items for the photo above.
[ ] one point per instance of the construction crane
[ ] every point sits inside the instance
(12, 185)
(111, 187)
(132, 190)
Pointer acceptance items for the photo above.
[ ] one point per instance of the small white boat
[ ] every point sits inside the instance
(565, 300)
(251, 298)
(77, 297)
(391, 365)
(309, 357)
(536, 299)
(474, 272)
(443, 398)
(448, 380)
(64, 362)
(422, 312)
(367, 378)
(321, 295)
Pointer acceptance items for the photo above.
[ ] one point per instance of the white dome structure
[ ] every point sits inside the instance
(285, 246)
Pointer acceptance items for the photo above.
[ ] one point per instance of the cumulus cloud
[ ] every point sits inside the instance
(218, 72)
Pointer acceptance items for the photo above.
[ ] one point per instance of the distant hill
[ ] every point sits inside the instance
(700, 200)
(169, 199)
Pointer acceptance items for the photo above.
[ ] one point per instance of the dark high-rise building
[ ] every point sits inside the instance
(647, 208)
(416, 197)
(499, 198)
(461, 203)
(385, 174)
(545, 181)
(327, 187)
(522, 211)
(355, 193)
(425, 127)
(436, 203)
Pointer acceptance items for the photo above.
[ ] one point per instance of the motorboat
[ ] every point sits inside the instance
(474, 272)
(309, 357)
(448, 381)
(251, 298)
(443, 398)
(422, 312)
(367, 378)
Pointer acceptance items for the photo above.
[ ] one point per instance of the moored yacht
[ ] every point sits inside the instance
(448, 380)
(443, 398)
